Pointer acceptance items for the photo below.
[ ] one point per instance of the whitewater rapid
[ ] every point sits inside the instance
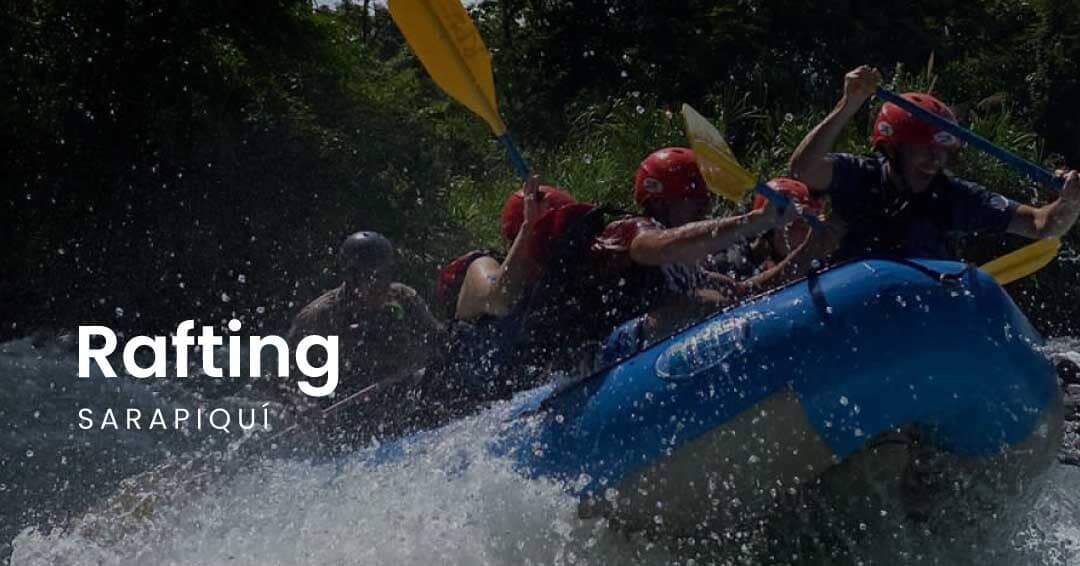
(441, 499)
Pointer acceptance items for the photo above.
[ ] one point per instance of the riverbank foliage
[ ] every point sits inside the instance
(203, 159)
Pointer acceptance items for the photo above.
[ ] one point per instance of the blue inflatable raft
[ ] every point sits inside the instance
(771, 394)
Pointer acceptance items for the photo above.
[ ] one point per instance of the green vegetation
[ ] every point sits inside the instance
(197, 158)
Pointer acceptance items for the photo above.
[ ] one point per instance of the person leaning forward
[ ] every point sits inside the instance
(675, 240)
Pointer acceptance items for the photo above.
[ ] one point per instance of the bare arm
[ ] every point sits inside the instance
(1053, 220)
(798, 264)
(810, 162)
(696, 240)
(494, 289)
(491, 288)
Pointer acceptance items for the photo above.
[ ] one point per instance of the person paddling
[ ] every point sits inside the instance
(386, 331)
(783, 254)
(901, 201)
(675, 240)
(486, 300)
(478, 284)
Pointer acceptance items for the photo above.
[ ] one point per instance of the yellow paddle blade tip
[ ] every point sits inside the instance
(722, 172)
(445, 40)
(1023, 262)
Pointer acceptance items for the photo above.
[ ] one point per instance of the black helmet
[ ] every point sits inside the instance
(365, 253)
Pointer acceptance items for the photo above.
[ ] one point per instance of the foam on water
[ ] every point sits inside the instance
(1052, 535)
(445, 501)
(442, 499)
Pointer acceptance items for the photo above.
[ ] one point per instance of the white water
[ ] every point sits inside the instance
(445, 502)
(428, 508)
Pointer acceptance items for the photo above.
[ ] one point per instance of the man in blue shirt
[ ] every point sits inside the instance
(902, 202)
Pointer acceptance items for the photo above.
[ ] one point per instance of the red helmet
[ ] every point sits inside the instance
(513, 211)
(552, 226)
(668, 173)
(795, 190)
(895, 125)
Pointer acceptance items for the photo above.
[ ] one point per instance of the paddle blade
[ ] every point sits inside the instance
(1022, 262)
(717, 162)
(443, 36)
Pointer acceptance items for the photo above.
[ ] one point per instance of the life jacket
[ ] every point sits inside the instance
(487, 358)
(582, 295)
(579, 299)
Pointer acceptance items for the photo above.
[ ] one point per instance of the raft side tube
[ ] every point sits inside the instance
(864, 348)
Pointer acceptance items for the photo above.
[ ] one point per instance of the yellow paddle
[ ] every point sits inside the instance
(717, 162)
(723, 174)
(443, 36)
(1022, 262)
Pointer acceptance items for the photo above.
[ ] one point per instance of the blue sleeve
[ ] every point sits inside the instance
(978, 209)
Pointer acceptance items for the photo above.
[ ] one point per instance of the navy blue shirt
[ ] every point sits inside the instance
(883, 220)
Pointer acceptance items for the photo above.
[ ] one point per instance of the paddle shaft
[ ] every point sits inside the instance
(1015, 162)
(520, 167)
(373, 389)
(781, 202)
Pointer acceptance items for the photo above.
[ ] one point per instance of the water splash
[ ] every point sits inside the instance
(446, 501)
(442, 499)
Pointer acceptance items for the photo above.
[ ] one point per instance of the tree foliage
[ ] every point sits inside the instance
(197, 158)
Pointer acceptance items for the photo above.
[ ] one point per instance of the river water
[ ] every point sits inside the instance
(444, 500)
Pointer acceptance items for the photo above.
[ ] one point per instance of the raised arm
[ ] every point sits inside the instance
(1053, 220)
(810, 162)
(694, 241)
(494, 289)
